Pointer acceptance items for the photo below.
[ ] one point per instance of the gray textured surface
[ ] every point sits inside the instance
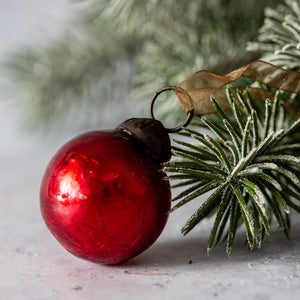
(34, 266)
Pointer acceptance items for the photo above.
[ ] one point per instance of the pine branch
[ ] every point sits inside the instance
(58, 78)
(279, 37)
(201, 38)
(107, 47)
(247, 181)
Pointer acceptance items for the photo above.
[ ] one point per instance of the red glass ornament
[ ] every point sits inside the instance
(104, 198)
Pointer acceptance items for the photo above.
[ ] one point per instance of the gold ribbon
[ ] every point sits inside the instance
(195, 91)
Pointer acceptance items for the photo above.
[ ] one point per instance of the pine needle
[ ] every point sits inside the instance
(251, 184)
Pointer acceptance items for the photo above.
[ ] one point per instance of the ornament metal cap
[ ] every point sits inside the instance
(152, 134)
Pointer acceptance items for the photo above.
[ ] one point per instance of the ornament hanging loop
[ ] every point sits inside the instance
(174, 129)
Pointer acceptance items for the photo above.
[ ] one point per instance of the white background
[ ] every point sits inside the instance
(34, 266)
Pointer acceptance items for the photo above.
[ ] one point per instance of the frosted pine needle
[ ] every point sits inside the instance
(251, 169)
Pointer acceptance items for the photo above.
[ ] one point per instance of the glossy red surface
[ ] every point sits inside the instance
(103, 198)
